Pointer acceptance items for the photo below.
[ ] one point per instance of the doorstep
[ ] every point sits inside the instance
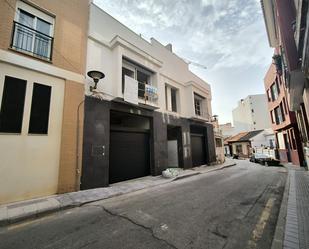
(18, 211)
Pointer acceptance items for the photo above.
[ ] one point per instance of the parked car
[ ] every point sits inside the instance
(264, 160)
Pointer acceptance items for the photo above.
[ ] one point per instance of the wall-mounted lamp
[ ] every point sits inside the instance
(96, 76)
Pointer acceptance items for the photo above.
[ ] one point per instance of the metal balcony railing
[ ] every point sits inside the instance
(31, 41)
(147, 92)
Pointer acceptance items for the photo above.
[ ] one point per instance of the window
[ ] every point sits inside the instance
(218, 142)
(272, 117)
(140, 74)
(198, 104)
(278, 115)
(126, 72)
(277, 86)
(238, 148)
(39, 115)
(274, 91)
(171, 98)
(285, 106)
(143, 79)
(32, 34)
(282, 111)
(271, 143)
(12, 105)
(280, 81)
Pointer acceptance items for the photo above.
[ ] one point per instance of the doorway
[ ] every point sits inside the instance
(174, 147)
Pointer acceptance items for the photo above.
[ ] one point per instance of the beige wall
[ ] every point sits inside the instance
(30, 163)
(244, 148)
(73, 101)
(44, 165)
(71, 25)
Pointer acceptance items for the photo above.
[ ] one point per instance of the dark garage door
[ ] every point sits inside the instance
(198, 149)
(129, 155)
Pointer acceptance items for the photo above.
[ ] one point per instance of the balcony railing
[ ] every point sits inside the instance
(145, 92)
(202, 114)
(31, 41)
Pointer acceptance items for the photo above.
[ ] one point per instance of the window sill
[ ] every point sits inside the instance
(172, 112)
(36, 135)
(30, 55)
(197, 117)
(10, 133)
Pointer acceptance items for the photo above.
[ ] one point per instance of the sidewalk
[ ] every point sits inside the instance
(293, 228)
(18, 211)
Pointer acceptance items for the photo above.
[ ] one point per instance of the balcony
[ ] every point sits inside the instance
(31, 41)
(139, 93)
(201, 115)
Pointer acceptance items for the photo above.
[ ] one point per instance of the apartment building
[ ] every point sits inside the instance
(251, 114)
(148, 113)
(283, 120)
(227, 130)
(41, 87)
(287, 29)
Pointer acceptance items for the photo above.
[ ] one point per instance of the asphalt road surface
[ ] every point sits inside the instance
(235, 207)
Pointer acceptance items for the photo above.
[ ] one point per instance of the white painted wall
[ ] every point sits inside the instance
(251, 114)
(30, 163)
(227, 130)
(109, 41)
(263, 139)
(281, 143)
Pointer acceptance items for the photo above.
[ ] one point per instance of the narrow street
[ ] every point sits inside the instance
(235, 207)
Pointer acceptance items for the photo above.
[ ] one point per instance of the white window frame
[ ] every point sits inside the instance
(132, 67)
(135, 68)
(168, 98)
(201, 101)
(20, 5)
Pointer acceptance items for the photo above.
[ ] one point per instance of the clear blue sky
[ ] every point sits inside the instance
(228, 36)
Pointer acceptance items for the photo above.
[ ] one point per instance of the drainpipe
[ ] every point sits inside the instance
(78, 169)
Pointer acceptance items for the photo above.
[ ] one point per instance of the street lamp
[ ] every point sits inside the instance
(96, 76)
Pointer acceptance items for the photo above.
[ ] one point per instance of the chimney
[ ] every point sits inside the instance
(169, 47)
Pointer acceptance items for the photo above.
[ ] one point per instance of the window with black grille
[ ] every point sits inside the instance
(39, 115)
(12, 105)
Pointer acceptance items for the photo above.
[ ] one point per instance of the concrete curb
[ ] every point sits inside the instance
(202, 172)
(278, 239)
(20, 211)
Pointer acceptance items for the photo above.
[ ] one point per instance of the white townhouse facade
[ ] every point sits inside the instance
(153, 112)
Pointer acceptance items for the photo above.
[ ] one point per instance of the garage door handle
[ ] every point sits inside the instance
(103, 150)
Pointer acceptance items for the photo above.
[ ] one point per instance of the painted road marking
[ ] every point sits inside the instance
(259, 228)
